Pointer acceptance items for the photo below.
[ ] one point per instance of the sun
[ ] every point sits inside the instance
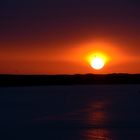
(97, 60)
(97, 63)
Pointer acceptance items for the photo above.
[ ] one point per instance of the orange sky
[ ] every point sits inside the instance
(69, 60)
(56, 36)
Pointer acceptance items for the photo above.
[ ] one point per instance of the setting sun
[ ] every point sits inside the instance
(97, 63)
(97, 60)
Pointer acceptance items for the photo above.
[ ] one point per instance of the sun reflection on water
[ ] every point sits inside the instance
(98, 118)
(97, 134)
(98, 115)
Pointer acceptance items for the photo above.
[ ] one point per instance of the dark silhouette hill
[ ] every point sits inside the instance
(77, 79)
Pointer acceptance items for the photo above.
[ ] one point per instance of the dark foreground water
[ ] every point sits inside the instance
(70, 113)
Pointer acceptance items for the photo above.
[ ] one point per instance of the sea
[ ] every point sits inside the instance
(73, 112)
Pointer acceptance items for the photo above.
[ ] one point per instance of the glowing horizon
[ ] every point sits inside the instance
(69, 61)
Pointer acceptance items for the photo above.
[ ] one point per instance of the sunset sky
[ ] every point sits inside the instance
(57, 36)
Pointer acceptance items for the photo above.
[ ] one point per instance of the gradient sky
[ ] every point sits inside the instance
(55, 36)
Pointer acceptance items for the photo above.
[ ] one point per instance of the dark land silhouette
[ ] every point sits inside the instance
(77, 79)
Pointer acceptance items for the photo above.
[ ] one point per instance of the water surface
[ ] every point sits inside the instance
(94, 112)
